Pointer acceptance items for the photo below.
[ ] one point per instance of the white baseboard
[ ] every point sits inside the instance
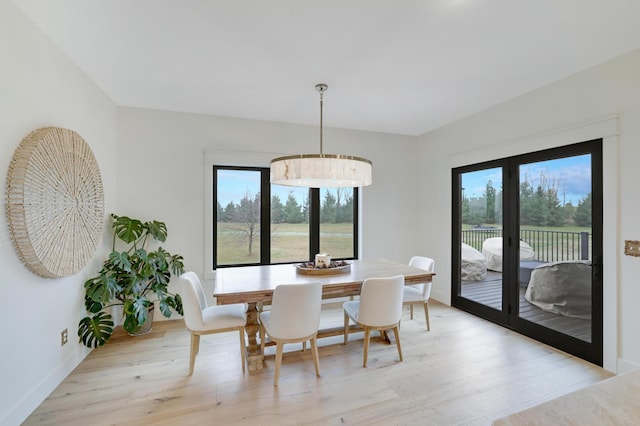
(625, 366)
(440, 297)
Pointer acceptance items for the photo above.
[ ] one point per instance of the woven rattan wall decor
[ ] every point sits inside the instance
(55, 202)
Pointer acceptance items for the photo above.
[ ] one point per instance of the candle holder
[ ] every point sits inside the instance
(323, 260)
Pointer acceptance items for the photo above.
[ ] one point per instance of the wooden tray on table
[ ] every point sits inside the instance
(335, 267)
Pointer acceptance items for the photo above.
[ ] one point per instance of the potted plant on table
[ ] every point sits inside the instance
(134, 278)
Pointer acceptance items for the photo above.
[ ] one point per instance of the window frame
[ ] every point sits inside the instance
(509, 315)
(260, 161)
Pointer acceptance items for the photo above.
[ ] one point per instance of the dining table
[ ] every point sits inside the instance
(254, 286)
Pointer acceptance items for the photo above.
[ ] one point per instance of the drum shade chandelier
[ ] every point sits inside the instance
(321, 170)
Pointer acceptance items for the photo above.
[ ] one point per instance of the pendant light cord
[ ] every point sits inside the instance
(321, 102)
(321, 88)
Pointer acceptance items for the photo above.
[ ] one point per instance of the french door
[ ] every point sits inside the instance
(527, 245)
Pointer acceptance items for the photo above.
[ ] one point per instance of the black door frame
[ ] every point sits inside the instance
(509, 315)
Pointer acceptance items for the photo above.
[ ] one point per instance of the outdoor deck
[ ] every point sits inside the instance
(489, 293)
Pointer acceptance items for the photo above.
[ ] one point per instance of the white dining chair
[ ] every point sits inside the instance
(419, 293)
(379, 308)
(202, 319)
(294, 317)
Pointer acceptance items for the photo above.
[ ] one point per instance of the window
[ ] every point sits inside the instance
(255, 222)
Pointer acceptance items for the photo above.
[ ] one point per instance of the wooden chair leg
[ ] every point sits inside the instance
(198, 344)
(346, 328)
(367, 334)
(243, 349)
(397, 335)
(316, 360)
(426, 315)
(262, 337)
(304, 346)
(278, 362)
(411, 311)
(195, 339)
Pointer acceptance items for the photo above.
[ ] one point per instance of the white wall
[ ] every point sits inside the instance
(603, 101)
(41, 87)
(173, 147)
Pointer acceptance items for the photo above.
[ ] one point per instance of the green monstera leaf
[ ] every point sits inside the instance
(91, 305)
(102, 288)
(95, 331)
(169, 303)
(120, 260)
(158, 230)
(127, 229)
(177, 264)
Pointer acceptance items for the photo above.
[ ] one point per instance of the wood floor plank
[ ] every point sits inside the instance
(465, 371)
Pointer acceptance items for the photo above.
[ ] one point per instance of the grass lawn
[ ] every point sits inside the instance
(289, 242)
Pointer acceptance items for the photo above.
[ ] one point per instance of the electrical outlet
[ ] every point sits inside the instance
(64, 337)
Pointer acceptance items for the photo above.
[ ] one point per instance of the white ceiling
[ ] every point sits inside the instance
(394, 66)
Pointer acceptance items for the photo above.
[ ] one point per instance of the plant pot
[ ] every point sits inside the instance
(146, 326)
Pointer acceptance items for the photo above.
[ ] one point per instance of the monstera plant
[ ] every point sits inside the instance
(134, 278)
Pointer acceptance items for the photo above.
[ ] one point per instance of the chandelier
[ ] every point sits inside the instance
(321, 170)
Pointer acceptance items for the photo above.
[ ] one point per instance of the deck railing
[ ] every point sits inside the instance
(549, 246)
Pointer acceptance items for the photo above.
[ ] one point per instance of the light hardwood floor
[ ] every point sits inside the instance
(465, 371)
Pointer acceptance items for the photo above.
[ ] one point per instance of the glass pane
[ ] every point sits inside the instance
(237, 217)
(336, 222)
(289, 224)
(481, 251)
(555, 247)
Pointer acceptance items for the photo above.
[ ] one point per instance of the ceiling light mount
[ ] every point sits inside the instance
(321, 170)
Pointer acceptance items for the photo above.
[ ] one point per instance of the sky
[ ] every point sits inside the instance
(572, 175)
(234, 184)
